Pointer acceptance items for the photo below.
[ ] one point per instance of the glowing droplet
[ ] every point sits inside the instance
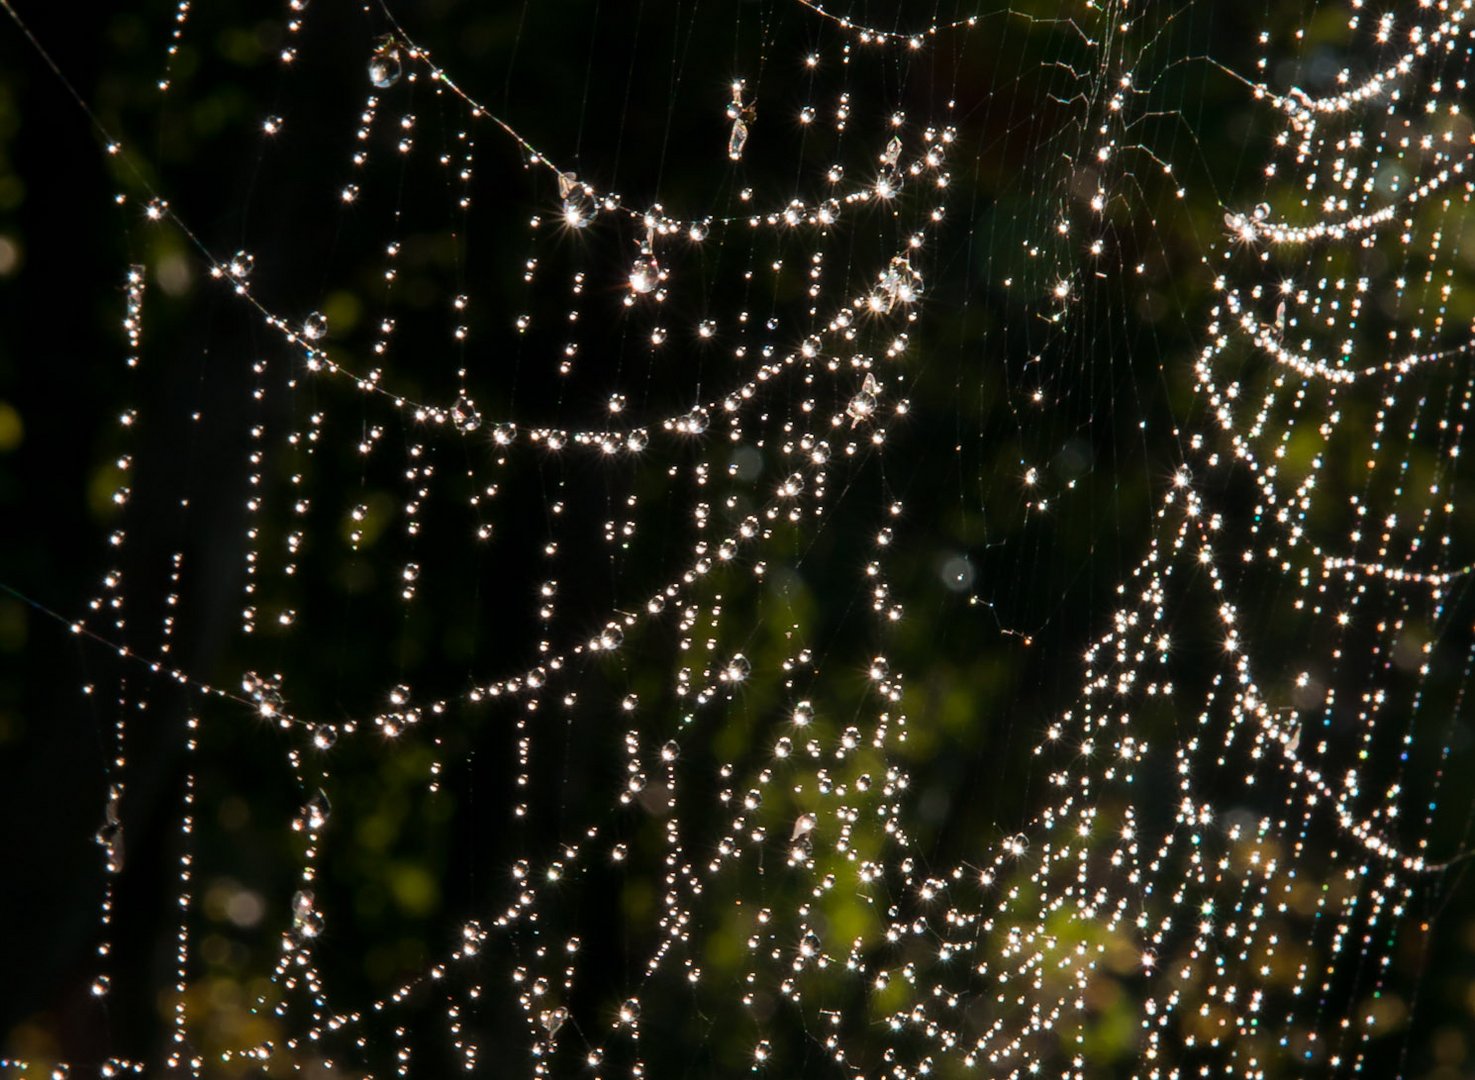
(737, 139)
(893, 152)
(317, 810)
(385, 66)
(671, 751)
(645, 273)
(465, 416)
(314, 326)
(553, 1019)
(307, 921)
(324, 736)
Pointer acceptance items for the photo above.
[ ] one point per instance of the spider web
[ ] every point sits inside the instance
(924, 543)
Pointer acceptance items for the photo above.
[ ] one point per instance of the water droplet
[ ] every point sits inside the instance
(807, 114)
(314, 326)
(464, 415)
(472, 936)
(385, 66)
(671, 751)
(893, 152)
(630, 1012)
(645, 273)
(694, 422)
(1261, 212)
(738, 669)
(578, 209)
(553, 1019)
(862, 406)
(240, 265)
(307, 921)
(803, 825)
(737, 139)
(101, 985)
(324, 736)
(317, 810)
(803, 714)
(504, 433)
(880, 668)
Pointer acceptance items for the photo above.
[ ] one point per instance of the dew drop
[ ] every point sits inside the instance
(645, 273)
(385, 66)
(315, 326)
(464, 415)
(737, 139)
(307, 921)
(553, 1019)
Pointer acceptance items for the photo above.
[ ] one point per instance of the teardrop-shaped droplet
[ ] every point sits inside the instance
(568, 183)
(385, 66)
(893, 152)
(803, 825)
(645, 274)
(314, 326)
(737, 139)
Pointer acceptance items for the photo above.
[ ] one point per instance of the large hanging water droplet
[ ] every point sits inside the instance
(316, 812)
(737, 139)
(385, 66)
(893, 152)
(553, 1019)
(240, 265)
(315, 326)
(694, 422)
(324, 736)
(465, 416)
(307, 921)
(645, 273)
(803, 825)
